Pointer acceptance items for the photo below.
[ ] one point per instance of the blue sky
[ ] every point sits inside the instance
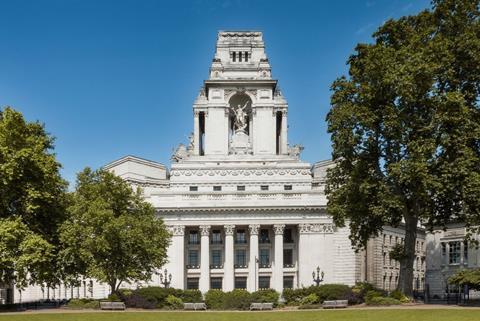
(111, 78)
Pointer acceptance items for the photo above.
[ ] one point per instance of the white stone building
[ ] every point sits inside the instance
(244, 210)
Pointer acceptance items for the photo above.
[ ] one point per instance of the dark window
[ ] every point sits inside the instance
(240, 237)
(264, 282)
(192, 283)
(288, 282)
(287, 187)
(216, 237)
(193, 237)
(264, 236)
(240, 258)
(264, 187)
(193, 258)
(465, 252)
(288, 258)
(201, 132)
(287, 235)
(217, 258)
(216, 283)
(240, 187)
(240, 282)
(217, 188)
(246, 56)
(234, 56)
(193, 188)
(454, 252)
(264, 258)
(278, 132)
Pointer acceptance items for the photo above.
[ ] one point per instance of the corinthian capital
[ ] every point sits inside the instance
(204, 230)
(278, 228)
(254, 229)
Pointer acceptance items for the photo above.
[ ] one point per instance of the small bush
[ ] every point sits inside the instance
(380, 300)
(83, 304)
(215, 299)
(237, 299)
(309, 299)
(332, 292)
(173, 303)
(113, 297)
(262, 296)
(310, 306)
(372, 294)
(359, 290)
(398, 295)
(193, 296)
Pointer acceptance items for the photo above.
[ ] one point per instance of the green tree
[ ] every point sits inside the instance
(32, 201)
(405, 128)
(112, 234)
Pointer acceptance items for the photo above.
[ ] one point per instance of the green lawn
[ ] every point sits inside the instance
(344, 315)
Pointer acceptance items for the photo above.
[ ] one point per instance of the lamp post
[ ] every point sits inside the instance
(319, 277)
(165, 278)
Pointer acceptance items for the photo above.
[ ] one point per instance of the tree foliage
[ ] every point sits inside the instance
(471, 278)
(112, 234)
(32, 201)
(405, 128)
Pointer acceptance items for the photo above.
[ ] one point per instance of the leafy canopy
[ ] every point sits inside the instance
(112, 234)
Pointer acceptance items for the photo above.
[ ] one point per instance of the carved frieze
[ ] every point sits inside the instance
(326, 228)
(176, 230)
(241, 172)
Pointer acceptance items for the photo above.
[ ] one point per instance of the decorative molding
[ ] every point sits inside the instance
(229, 229)
(254, 228)
(278, 229)
(304, 228)
(204, 230)
(176, 230)
(242, 172)
(326, 228)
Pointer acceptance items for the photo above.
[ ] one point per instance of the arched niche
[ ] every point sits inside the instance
(240, 113)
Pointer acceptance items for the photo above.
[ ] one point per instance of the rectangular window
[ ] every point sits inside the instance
(287, 236)
(264, 236)
(240, 282)
(287, 258)
(216, 283)
(192, 283)
(217, 188)
(287, 187)
(234, 56)
(240, 187)
(193, 188)
(216, 258)
(246, 56)
(216, 237)
(465, 252)
(288, 282)
(193, 237)
(264, 282)
(264, 187)
(240, 258)
(240, 237)
(193, 258)
(454, 253)
(264, 258)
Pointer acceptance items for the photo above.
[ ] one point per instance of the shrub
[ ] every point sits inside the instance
(372, 294)
(83, 304)
(380, 300)
(359, 290)
(262, 296)
(156, 297)
(398, 295)
(237, 299)
(190, 296)
(113, 297)
(173, 303)
(215, 299)
(309, 299)
(310, 306)
(332, 292)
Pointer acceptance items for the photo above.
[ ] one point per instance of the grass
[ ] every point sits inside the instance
(344, 315)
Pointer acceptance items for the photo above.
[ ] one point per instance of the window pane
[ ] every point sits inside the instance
(240, 258)
(287, 257)
(264, 258)
(192, 283)
(216, 258)
(216, 283)
(240, 283)
(454, 252)
(240, 237)
(264, 282)
(288, 282)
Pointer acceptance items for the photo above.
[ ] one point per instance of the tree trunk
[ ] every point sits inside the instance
(113, 286)
(405, 280)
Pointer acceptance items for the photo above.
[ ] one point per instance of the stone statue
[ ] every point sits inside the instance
(190, 142)
(179, 154)
(240, 117)
(295, 150)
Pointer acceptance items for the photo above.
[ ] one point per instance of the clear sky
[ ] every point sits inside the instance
(112, 78)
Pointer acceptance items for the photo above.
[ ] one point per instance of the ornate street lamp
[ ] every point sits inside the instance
(319, 277)
(165, 278)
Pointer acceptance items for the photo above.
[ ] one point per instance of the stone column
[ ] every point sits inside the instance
(304, 272)
(176, 255)
(278, 258)
(196, 134)
(283, 135)
(204, 282)
(228, 267)
(252, 264)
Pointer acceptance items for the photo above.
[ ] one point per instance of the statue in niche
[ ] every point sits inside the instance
(240, 117)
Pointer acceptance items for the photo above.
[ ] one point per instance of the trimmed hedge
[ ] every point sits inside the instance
(323, 292)
(83, 304)
(156, 297)
(380, 300)
(238, 299)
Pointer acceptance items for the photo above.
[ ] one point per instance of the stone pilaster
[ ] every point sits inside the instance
(252, 283)
(176, 250)
(204, 282)
(229, 274)
(278, 258)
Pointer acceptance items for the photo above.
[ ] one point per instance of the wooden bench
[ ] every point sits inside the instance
(194, 306)
(107, 305)
(261, 306)
(335, 304)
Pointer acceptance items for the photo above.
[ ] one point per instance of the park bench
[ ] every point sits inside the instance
(261, 306)
(335, 304)
(194, 306)
(107, 305)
